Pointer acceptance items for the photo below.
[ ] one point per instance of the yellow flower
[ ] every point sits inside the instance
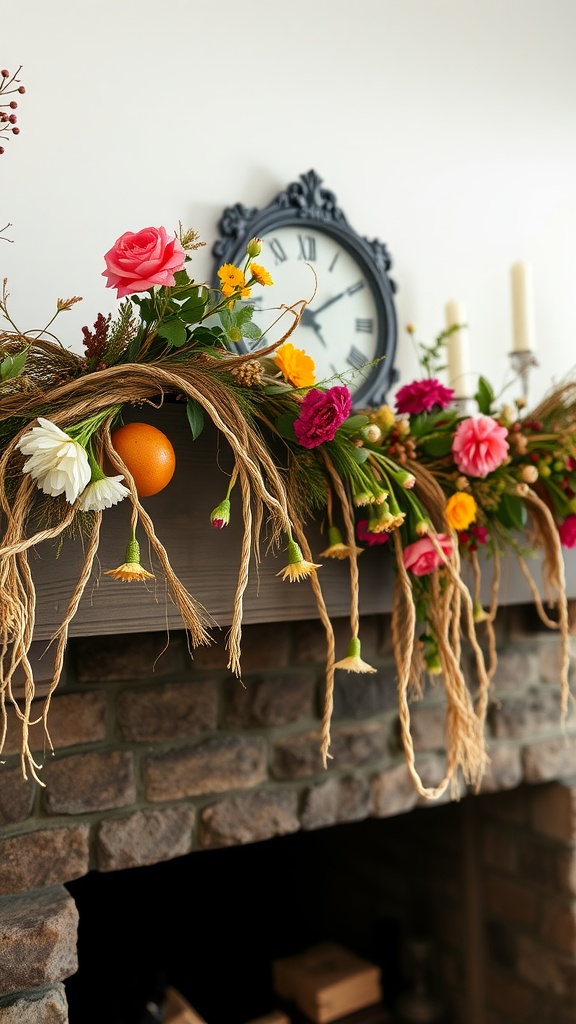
(232, 279)
(460, 510)
(298, 568)
(131, 569)
(260, 274)
(384, 418)
(353, 661)
(297, 367)
(337, 548)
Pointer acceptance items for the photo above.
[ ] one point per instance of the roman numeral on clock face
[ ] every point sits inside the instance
(364, 325)
(356, 358)
(277, 250)
(307, 245)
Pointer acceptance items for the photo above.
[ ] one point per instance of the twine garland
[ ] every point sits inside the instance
(267, 500)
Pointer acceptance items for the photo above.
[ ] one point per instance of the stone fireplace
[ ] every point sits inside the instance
(160, 759)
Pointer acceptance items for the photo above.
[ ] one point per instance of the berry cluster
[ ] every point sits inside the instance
(9, 84)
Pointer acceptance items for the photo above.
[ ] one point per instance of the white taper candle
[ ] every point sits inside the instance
(457, 349)
(523, 316)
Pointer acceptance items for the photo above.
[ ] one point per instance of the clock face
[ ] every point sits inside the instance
(341, 326)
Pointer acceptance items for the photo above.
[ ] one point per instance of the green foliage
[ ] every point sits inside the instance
(512, 512)
(195, 414)
(12, 366)
(237, 324)
(484, 396)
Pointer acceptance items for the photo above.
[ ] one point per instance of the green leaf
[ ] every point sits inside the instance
(484, 396)
(244, 314)
(182, 278)
(194, 301)
(208, 336)
(285, 426)
(226, 319)
(353, 423)
(359, 454)
(512, 511)
(438, 446)
(251, 331)
(146, 310)
(195, 414)
(12, 366)
(277, 389)
(174, 332)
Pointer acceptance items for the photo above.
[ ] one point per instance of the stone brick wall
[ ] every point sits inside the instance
(157, 756)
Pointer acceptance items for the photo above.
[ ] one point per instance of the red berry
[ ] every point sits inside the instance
(13, 105)
(15, 131)
(21, 90)
(4, 73)
(1, 150)
(12, 118)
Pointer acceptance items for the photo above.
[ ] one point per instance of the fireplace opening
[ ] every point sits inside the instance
(211, 923)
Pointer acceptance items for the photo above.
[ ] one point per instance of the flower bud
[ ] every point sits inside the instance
(529, 474)
(372, 433)
(254, 247)
(220, 516)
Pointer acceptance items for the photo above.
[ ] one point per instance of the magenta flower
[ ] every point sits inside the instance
(321, 413)
(138, 261)
(421, 558)
(471, 538)
(366, 536)
(567, 531)
(422, 396)
(479, 445)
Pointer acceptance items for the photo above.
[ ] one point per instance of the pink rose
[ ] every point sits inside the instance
(421, 558)
(422, 396)
(321, 413)
(479, 445)
(567, 531)
(137, 262)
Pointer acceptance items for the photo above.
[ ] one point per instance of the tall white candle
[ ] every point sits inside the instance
(523, 316)
(457, 349)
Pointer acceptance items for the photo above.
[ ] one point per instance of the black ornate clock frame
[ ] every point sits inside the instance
(306, 201)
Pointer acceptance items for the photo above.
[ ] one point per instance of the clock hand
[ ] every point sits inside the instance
(325, 305)
(309, 320)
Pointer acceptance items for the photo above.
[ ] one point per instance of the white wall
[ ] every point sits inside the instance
(446, 128)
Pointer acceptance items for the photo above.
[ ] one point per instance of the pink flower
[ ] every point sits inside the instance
(366, 536)
(321, 413)
(479, 445)
(567, 531)
(422, 396)
(421, 558)
(137, 262)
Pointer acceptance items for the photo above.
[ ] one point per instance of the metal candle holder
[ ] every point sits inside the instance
(522, 362)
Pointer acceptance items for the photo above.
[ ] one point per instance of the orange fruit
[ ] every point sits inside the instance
(148, 454)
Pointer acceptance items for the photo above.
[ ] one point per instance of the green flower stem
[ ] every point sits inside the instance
(294, 552)
(133, 550)
(334, 536)
(354, 647)
(82, 432)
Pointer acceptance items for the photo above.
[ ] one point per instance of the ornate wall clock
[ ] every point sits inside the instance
(350, 326)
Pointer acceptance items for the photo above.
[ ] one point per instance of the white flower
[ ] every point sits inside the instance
(102, 493)
(57, 463)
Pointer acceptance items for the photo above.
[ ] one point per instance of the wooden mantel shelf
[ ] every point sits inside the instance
(206, 560)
